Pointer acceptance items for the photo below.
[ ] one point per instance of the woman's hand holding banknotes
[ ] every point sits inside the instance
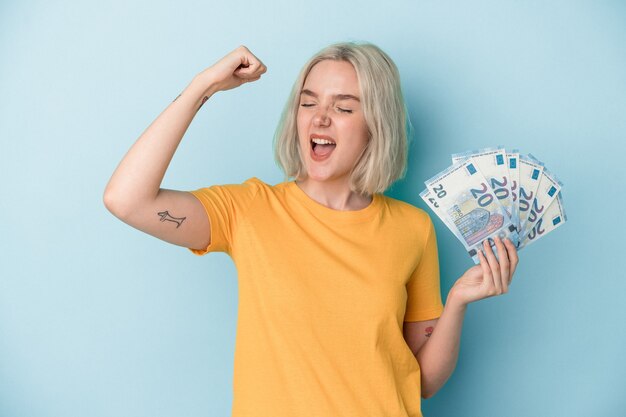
(491, 277)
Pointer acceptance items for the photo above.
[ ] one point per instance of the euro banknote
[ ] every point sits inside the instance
(490, 192)
(434, 206)
(547, 190)
(529, 176)
(468, 202)
(513, 163)
(553, 217)
(492, 163)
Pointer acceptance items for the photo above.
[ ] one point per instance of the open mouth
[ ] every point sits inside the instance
(322, 149)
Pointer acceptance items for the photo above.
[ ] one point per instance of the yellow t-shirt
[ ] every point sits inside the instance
(323, 295)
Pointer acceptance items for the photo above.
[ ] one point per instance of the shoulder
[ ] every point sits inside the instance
(242, 192)
(270, 191)
(407, 212)
(250, 186)
(261, 188)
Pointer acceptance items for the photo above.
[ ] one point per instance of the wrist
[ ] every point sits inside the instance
(203, 84)
(455, 302)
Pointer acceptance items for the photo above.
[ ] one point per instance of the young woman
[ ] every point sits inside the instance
(340, 311)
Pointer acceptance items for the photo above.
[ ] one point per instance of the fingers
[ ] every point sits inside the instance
(503, 259)
(487, 284)
(513, 258)
(497, 272)
(250, 66)
(250, 70)
(494, 267)
(252, 79)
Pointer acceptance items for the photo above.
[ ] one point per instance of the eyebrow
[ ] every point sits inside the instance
(336, 96)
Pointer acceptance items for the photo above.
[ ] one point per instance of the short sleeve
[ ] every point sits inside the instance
(423, 287)
(225, 206)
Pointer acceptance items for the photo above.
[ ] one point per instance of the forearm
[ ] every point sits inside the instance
(139, 175)
(438, 356)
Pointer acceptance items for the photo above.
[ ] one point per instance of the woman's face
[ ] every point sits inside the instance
(330, 109)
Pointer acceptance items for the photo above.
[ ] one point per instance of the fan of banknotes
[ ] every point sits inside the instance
(491, 192)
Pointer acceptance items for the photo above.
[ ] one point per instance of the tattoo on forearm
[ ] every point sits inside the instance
(429, 331)
(165, 215)
(204, 99)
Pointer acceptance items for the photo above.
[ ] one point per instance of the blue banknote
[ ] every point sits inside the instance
(530, 169)
(493, 164)
(470, 205)
(434, 206)
(513, 164)
(490, 192)
(553, 217)
(547, 190)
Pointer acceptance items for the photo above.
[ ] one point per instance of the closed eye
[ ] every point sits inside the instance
(338, 108)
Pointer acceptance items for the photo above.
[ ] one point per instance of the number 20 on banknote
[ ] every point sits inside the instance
(464, 197)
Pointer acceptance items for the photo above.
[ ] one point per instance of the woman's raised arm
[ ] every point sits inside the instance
(133, 193)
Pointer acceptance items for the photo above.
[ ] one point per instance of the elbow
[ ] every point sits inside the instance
(427, 394)
(426, 390)
(108, 200)
(429, 387)
(112, 203)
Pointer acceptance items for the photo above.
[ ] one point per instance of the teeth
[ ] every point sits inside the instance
(322, 141)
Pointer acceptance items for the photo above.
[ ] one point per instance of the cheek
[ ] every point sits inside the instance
(359, 133)
(362, 127)
(364, 133)
(300, 124)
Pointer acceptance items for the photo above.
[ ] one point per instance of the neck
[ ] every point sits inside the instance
(335, 195)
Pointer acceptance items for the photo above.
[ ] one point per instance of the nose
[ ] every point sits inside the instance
(321, 117)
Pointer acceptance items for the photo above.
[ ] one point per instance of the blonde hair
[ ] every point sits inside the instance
(384, 160)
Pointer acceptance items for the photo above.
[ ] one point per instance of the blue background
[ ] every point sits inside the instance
(100, 319)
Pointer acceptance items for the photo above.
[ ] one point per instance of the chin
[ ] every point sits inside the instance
(323, 176)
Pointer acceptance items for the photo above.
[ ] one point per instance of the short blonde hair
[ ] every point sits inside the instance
(384, 160)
